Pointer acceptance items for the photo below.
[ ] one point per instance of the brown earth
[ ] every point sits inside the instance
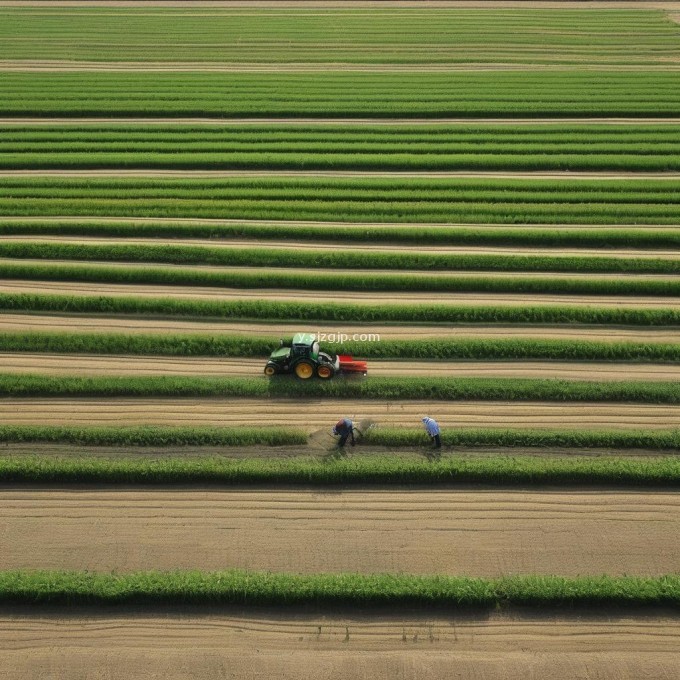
(344, 297)
(89, 364)
(290, 645)
(327, 246)
(477, 533)
(314, 414)
(61, 323)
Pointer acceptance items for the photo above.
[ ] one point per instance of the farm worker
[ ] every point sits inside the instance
(432, 428)
(344, 429)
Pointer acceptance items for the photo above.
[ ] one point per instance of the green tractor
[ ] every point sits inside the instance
(303, 358)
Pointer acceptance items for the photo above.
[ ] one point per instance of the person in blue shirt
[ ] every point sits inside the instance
(432, 429)
(344, 429)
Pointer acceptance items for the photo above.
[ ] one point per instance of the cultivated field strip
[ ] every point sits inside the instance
(358, 298)
(82, 364)
(333, 35)
(315, 414)
(351, 199)
(476, 533)
(294, 645)
(337, 94)
(80, 323)
(299, 247)
(425, 148)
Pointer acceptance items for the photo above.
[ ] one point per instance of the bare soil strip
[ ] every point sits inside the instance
(313, 414)
(345, 297)
(305, 122)
(88, 364)
(64, 323)
(453, 174)
(475, 533)
(288, 645)
(325, 246)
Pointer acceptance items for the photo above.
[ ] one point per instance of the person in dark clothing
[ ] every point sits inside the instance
(344, 429)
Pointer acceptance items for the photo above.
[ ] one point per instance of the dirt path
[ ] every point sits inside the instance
(312, 415)
(287, 645)
(62, 323)
(84, 364)
(476, 533)
(453, 174)
(325, 246)
(343, 297)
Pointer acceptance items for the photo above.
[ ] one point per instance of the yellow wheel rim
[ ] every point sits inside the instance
(304, 370)
(269, 370)
(324, 372)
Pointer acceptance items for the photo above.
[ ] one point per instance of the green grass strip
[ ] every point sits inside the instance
(339, 259)
(246, 346)
(323, 311)
(497, 470)
(154, 436)
(265, 588)
(394, 438)
(552, 237)
(361, 281)
(440, 389)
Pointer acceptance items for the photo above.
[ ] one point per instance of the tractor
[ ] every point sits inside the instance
(304, 360)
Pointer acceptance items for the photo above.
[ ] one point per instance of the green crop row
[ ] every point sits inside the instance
(358, 281)
(500, 470)
(123, 136)
(155, 436)
(335, 35)
(445, 389)
(329, 311)
(249, 346)
(342, 94)
(394, 438)
(552, 237)
(334, 259)
(266, 588)
(526, 159)
(450, 200)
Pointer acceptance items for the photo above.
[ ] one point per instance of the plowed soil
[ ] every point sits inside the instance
(24, 323)
(476, 533)
(88, 364)
(312, 415)
(287, 645)
(347, 297)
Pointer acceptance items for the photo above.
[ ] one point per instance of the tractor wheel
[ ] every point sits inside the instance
(270, 370)
(325, 371)
(304, 370)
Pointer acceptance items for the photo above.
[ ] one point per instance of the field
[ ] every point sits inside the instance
(481, 199)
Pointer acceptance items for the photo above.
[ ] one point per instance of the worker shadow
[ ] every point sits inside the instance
(432, 455)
